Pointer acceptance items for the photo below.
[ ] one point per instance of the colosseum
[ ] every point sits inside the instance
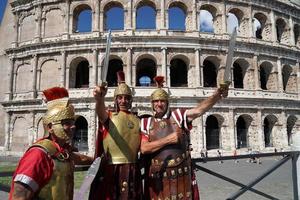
(43, 44)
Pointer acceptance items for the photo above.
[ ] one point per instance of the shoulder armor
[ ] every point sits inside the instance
(47, 145)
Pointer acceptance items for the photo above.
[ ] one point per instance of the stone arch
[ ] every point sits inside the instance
(23, 75)
(179, 71)
(268, 125)
(216, 17)
(53, 23)
(241, 24)
(27, 27)
(210, 71)
(77, 11)
(80, 138)
(282, 31)
(79, 73)
(287, 79)
(151, 21)
(49, 68)
(119, 9)
(115, 65)
(213, 125)
(291, 126)
(19, 134)
(179, 11)
(240, 67)
(145, 67)
(41, 129)
(243, 123)
(263, 32)
(297, 35)
(267, 76)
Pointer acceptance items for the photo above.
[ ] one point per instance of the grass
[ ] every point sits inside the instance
(78, 176)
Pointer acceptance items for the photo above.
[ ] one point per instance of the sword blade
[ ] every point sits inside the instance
(106, 59)
(227, 73)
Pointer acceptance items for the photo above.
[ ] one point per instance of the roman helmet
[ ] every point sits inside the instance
(159, 93)
(58, 109)
(122, 89)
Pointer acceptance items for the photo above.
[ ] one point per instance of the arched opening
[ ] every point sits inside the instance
(82, 75)
(114, 16)
(80, 139)
(280, 28)
(206, 21)
(146, 16)
(238, 76)
(291, 122)
(212, 131)
(297, 34)
(286, 74)
(267, 81)
(145, 67)
(178, 73)
(232, 22)
(261, 31)
(269, 123)
(82, 21)
(242, 132)
(210, 74)
(177, 15)
(114, 66)
(257, 28)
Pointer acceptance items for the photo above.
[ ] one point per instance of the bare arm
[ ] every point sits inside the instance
(80, 159)
(22, 192)
(99, 94)
(150, 147)
(207, 104)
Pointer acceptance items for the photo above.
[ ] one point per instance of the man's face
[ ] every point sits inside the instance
(63, 130)
(124, 102)
(160, 107)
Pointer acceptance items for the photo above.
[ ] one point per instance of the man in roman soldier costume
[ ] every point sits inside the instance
(46, 169)
(118, 143)
(170, 175)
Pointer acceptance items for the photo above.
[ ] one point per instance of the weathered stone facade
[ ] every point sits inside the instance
(40, 47)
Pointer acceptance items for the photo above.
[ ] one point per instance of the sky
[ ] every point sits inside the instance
(2, 7)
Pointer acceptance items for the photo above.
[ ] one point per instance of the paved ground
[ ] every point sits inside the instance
(278, 184)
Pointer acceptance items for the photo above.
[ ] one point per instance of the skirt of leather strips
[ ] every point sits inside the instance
(170, 183)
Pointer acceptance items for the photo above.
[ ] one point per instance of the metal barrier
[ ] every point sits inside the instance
(293, 155)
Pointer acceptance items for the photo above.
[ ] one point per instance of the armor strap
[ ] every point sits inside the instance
(47, 145)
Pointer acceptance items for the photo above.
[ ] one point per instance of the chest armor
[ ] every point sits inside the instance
(61, 184)
(162, 128)
(122, 143)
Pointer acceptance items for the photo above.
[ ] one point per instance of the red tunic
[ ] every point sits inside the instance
(34, 169)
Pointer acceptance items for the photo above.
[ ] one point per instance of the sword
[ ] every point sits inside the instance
(91, 174)
(106, 60)
(227, 74)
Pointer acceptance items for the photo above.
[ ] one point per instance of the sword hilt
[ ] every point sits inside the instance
(225, 84)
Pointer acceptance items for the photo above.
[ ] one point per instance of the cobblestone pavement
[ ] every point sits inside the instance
(278, 184)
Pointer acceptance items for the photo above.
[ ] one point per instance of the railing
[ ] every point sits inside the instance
(292, 155)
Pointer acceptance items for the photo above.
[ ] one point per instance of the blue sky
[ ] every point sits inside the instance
(2, 7)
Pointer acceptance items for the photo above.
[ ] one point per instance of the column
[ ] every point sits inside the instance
(198, 73)
(101, 21)
(16, 31)
(194, 16)
(256, 77)
(231, 129)
(260, 136)
(11, 79)
(280, 81)
(162, 15)
(96, 17)
(298, 78)
(164, 66)
(94, 80)
(224, 17)
(63, 69)
(38, 23)
(35, 66)
(33, 136)
(129, 67)
(68, 27)
(129, 16)
(7, 118)
(292, 31)
(251, 22)
(272, 18)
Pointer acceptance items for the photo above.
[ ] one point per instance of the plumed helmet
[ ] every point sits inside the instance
(159, 94)
(123, 88)
(58, 109)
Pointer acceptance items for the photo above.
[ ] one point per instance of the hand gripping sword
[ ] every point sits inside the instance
(227, 74)
(106, 60)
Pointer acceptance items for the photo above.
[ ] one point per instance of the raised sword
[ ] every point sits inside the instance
(227, 74)
(106, 60)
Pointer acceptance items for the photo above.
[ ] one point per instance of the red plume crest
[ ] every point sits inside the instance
(55, 93)
(121, 77)
(159, 80)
